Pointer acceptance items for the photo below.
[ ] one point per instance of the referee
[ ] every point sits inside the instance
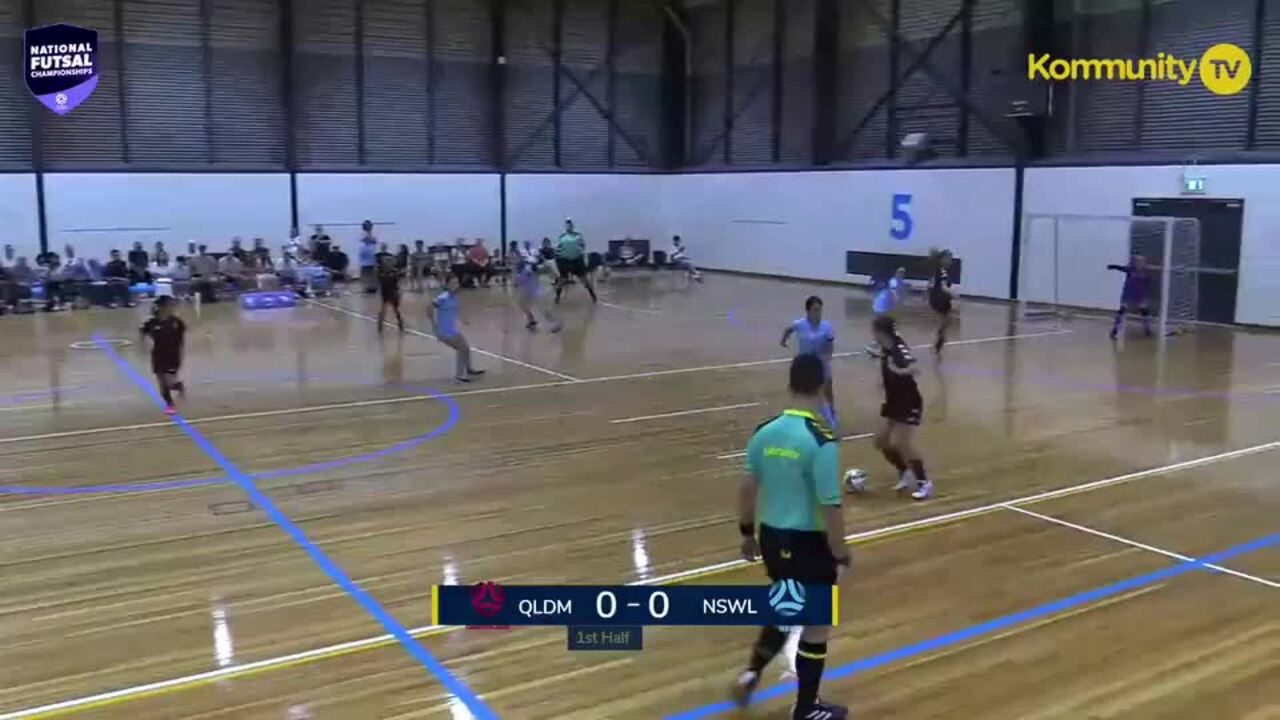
(571, 261)
(793, 487)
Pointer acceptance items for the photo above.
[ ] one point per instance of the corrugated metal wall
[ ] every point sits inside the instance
(412, 85)
(377, 85)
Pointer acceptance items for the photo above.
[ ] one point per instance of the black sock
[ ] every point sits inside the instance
(1146, 320)
(766, 648)
(180, 386)
(810, 661)
(164, 393)
(894, 458)
(591, 290)
(917, 468)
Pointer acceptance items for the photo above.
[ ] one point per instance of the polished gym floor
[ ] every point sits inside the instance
(1103, 543)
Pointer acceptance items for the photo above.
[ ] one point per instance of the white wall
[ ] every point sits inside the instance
(99, 211)
(405, 207)
(800, 224)
(603, 207)
(1111, 190)
(18, 214)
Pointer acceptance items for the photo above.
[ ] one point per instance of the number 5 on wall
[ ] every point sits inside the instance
(900, 226)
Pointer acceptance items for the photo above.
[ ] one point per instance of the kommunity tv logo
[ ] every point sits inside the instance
(1223, 69)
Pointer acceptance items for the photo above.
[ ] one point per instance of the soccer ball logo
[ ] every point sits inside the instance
(855, 480)
(786, 597)
(486, 599)
(60, 99)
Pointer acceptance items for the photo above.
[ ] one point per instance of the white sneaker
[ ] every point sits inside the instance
(906, 480)
(924, 491)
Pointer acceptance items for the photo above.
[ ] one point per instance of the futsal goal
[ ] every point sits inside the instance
(1062, 267)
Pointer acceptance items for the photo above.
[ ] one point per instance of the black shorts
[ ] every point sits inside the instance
(942, 306)
(801, 555)
(576, 267)
(165, 366)
(390, 292)
(907, 411)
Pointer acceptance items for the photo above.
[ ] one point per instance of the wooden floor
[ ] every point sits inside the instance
(609, 454)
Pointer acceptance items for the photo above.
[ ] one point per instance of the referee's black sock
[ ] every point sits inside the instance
(917, 469)
(895, 458)
(164, 393)
(767, 648)
(810, 660)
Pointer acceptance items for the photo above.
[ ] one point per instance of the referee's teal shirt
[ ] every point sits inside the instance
(796, 463)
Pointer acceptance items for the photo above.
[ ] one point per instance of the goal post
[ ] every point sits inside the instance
(1063, 263)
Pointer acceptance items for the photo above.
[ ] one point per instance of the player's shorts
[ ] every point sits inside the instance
(907, 411)
(940, 305)
(801, 555)
(390, 292)
(577, 267)
(165, 366)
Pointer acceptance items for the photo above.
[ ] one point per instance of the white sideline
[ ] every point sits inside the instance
(1140, 546)
(354, 645)
(473, 391)
(429, 336)
(679, 413)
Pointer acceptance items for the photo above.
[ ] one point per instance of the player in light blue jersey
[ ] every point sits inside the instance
(445, 315)
(886, 301)
(815, 336)
(529, 295)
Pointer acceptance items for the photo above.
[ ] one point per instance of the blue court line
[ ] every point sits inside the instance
(451, 683)
(450, 422)
(985, 628)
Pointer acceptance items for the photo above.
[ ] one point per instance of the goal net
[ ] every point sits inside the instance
(1064, 258)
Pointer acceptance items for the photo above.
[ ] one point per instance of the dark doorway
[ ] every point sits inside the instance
(1221, 224)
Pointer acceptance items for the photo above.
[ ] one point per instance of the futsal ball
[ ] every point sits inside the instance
(855, 480)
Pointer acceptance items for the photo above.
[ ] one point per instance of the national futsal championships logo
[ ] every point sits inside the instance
(1223, 69)
(60, 64)
(786, 597)
(487, 599)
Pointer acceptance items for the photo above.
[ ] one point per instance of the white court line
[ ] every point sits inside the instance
(628, 308)
(462, 393)
(1140, 546)
(743, 453)
(678, 413)
(429, 336)
(355, 645)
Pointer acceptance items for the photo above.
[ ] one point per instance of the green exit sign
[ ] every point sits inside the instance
(1192, 185)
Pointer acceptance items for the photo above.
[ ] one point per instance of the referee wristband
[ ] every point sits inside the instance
(747, 529)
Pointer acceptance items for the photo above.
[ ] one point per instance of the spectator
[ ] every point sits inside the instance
(336, 263)
(368, 258)
(419, 261)
(8, 256)
(204, 275)
(478, 262)
(263, 255)
(237, 249)
(138, 262)
(381, 257)
(319, 244)
(116, 273)
(162, 273)
(547, 251)
(54, 278)
(679, 259)
(231, 268)
(402, 259)
(158, 250)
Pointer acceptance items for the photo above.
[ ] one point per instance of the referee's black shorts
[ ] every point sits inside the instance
(800, 555)
(576, 267)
